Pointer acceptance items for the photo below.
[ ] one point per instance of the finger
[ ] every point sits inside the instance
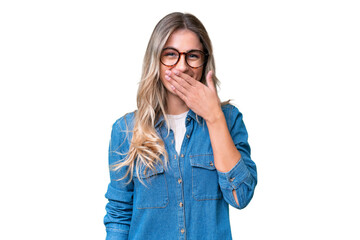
(179, 93)
(191, 81)
(209, 81)
(176, 85)
(178, 79)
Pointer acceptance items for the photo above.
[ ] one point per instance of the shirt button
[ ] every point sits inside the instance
(172, 141)
(182, 230)
(182, 155)
(232, 179)
(174, 156)
(211, 164)
(179, 180)
(187, 135)
(188, 119)
(181, 204)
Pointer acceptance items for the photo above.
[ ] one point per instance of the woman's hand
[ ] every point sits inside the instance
(201, 99)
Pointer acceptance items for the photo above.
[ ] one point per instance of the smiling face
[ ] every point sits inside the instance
(182, 40)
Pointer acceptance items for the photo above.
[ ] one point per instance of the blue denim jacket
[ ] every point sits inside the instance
(190, 200)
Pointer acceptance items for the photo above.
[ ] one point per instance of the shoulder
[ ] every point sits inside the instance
(125, 123)
(121, 132)
(235, 122)
(231, 113)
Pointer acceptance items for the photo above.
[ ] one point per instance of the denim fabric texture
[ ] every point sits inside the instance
(189, 200)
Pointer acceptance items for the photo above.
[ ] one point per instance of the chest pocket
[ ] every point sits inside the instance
(205, 185)
(155, 192)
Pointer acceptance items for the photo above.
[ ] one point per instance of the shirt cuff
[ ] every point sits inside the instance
(233, 178)
(116, 234)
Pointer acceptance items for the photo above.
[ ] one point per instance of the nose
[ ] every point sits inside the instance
(182, 65)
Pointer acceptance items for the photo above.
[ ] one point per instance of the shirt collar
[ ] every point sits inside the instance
(190, 114)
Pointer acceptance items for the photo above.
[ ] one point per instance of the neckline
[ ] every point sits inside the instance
(177, 116)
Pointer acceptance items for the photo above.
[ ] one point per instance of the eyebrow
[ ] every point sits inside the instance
(179, 51)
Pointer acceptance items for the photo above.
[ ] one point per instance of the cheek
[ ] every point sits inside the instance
(162, 74)
(164, 81)
(198, 74)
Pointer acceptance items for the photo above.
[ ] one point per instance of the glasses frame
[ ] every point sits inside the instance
(185, 53)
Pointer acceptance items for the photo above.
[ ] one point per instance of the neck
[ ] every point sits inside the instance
(175, 105)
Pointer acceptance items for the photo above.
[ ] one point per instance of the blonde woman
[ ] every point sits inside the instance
(180, 159)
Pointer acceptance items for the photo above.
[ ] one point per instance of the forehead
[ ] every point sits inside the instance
(184, 40)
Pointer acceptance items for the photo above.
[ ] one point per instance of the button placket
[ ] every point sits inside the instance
(180, 188)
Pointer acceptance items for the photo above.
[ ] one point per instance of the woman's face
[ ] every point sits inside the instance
(182, 40)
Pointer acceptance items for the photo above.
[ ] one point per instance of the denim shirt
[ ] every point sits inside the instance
(189, 200)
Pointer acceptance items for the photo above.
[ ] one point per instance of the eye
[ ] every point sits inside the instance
(195, 55)
(169, 53)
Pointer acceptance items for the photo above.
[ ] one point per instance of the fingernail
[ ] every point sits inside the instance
(168, 72)
(176, 72)
(167, 77)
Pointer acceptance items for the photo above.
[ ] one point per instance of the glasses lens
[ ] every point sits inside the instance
(195, 58)
(169, 57)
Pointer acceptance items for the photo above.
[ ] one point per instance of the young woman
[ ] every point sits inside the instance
(180, 159)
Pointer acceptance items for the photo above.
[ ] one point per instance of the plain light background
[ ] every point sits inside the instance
(69, 69)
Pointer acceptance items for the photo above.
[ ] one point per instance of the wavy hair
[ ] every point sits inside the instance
(146, 146)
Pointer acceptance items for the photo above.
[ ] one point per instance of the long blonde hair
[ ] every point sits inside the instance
(146, 146)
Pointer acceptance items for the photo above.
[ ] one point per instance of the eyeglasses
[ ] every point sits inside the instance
(194, 58)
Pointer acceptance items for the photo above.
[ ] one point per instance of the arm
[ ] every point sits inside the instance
(119, 208)
(236, 170)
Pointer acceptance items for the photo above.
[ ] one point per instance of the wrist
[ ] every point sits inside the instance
(216, 117)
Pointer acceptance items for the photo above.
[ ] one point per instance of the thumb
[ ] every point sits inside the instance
(210, 81)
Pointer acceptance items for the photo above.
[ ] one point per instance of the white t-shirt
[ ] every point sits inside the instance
(177, 124)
